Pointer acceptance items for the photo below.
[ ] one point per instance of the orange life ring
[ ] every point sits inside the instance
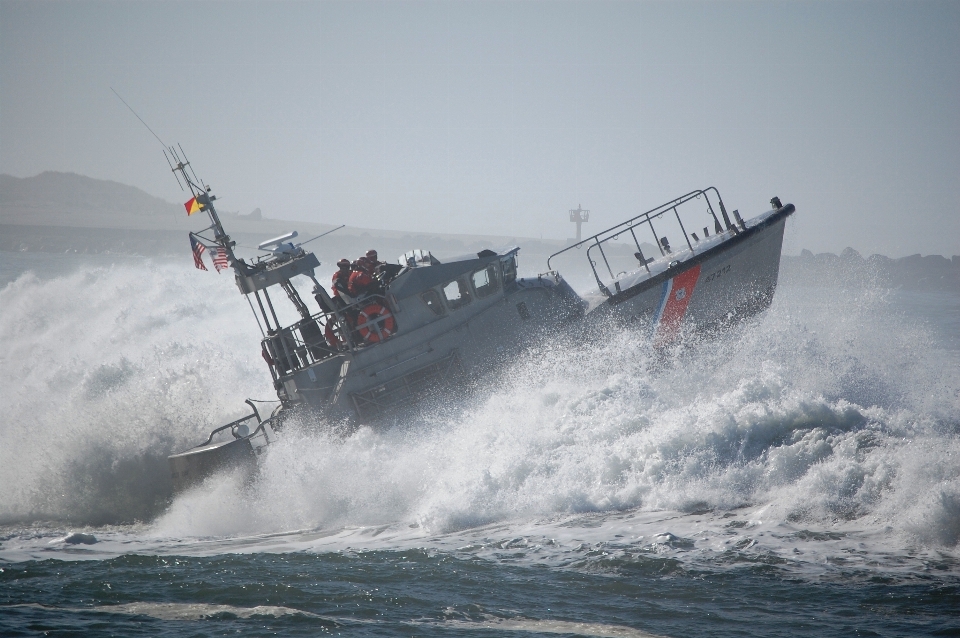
(375, 323)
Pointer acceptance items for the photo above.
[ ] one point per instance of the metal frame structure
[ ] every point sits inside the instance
(311, 346)
(647, 219)
(275, 268)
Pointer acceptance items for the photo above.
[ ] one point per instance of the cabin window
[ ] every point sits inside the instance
(457, 294)
(509, 269)
(485, 281)
(432, 299)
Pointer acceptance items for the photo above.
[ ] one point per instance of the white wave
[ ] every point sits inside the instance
(212, 612)
(182, 611)
(530, 625)
(832, 411)
(105, 372)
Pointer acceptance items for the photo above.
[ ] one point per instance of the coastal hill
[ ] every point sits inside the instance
(77, 201)
(66, 212)
(68, 199)
(70, 213)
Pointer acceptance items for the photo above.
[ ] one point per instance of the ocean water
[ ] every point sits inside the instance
(798, 475)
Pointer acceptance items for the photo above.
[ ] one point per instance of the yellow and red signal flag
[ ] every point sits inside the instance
(193, 206)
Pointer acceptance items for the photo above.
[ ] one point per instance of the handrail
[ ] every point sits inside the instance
(262, 427)
(302, 351)
(230, 425)
(254, 408)
(614, 232)
(646, 217)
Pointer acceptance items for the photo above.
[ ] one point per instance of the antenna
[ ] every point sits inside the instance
(179, 166)
(138, 117)
(175, 172)
(321, 235)
(186, 162)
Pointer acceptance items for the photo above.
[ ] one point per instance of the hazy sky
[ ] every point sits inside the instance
(498, 117)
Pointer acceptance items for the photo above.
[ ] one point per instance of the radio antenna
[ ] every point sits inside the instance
(186, 162)
(323, 235)
(139, 118)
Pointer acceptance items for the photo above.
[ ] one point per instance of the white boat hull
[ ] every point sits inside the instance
(726, 282)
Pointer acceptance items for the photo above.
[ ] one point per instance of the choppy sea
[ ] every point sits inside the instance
(798, 475)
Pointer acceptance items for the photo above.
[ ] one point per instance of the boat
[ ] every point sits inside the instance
(430, 323)
(705, 284)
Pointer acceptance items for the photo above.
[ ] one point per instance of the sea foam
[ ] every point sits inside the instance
(834, 408)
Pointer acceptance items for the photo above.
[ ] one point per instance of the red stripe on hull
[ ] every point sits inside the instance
(680, 293)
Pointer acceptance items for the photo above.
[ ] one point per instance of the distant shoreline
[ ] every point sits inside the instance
(916, 272)
(849, 268)
(70, 213)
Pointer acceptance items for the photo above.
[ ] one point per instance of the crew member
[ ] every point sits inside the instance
(372, 256)
(341, 280)
(361, 279)
(341, 298)
(385, 272)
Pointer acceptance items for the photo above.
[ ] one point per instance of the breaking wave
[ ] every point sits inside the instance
(835, 405)
(105, 371)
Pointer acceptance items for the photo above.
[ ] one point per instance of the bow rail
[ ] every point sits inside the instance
(644, 223)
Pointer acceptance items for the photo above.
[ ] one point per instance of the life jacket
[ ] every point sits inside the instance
(340, 282)
(341, 288)
(360, 283)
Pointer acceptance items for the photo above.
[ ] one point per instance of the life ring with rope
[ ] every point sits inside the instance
(375, 323)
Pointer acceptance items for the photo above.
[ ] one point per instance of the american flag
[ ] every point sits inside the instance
(220, 258)
(198, 249)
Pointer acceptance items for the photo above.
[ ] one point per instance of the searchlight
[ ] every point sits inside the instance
(274, 244)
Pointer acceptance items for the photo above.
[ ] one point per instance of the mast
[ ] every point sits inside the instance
(286, 348)
(189, 181)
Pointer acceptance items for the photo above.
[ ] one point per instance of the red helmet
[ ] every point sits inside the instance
(371, 255)
(344, 263)
(365, 264)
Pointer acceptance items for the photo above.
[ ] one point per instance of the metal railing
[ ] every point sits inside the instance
(304, 343)
(645, 222)
(237, 434)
